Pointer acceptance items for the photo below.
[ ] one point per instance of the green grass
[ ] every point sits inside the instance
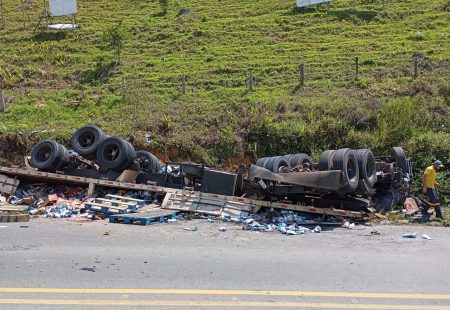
(62, 80)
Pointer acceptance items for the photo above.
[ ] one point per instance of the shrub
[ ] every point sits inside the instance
(418, 36)
(368, 62)
(361, 83)
(115, 37)
(398, 120)
(164, 4)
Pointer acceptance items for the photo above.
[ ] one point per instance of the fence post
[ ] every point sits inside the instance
(302, 75)
(183, 84)
(357, 68)
(250, 79)
(416, 68)
(2, 97)
(2, 17)
(24, 16)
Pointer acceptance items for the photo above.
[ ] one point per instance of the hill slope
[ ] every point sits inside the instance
(62, 80)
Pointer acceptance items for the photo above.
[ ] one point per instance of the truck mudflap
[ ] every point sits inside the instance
(328, 180)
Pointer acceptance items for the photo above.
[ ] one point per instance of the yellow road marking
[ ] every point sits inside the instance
(219, 292)
(218, 304)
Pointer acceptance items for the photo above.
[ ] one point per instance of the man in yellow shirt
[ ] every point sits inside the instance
(429, 186)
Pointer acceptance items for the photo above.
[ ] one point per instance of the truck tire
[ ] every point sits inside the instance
(326, 160)
(298, 159)
(152, 164)
(86, 140)
(367, 166)
(400, 158)
(268, 163)
(115, 153)
(275, 163)
(345, 160)
(64, 157)
(261, 162)
(47, 155)
(131, 151)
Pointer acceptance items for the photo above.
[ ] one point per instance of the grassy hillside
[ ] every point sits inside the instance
(58, 81)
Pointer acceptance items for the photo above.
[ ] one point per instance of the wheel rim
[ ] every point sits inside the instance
(351, 171)
(111, 152)
(44, 154)
(145, 163)
(86, 139)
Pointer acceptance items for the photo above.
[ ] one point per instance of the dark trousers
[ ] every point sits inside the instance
(433, 201)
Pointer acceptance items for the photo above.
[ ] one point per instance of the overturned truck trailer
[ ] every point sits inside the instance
(346, 179)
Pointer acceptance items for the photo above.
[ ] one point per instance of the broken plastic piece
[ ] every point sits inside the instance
(425, 236)
(190, 228)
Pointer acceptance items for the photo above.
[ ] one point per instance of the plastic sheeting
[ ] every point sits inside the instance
(303, 3)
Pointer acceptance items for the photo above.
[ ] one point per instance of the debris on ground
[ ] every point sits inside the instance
(91, 269)
(409, 235)
(425, 236)
(348, 225)
(56, 201)
(190, 228)
(144, 208)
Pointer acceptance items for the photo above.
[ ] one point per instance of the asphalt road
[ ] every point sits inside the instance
(62, 264)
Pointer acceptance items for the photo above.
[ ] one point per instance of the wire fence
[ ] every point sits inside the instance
(294, 75)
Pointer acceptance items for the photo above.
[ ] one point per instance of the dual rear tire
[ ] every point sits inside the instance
(112, 153)
(356, 166)
(115, 153)
(48, 155)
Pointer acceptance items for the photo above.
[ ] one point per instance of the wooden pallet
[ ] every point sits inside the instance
(212, 204)
(105, 209)
(13, 208)
(8, 218)
(8, 185)
(209, 204)
(145, 218)
(126, 199)
(117, 203)
(114, 204)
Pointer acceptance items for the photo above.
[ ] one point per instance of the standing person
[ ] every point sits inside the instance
(429, 186)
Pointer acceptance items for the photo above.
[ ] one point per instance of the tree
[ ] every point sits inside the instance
(115, 37)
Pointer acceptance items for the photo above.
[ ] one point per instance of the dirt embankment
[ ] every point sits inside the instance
(13, 148)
